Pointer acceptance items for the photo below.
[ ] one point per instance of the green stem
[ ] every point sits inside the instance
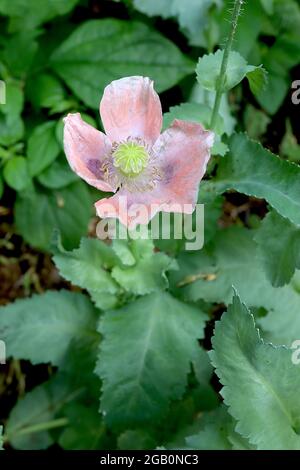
(222, 77)
(46, 426)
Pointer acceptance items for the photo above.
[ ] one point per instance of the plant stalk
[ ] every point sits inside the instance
(221, 80)
(55, 423)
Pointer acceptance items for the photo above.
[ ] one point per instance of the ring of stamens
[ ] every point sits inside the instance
(132, 165)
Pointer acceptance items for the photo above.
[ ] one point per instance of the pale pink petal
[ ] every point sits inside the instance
(85, 148)
(131, 108)
(183, 152)
(127, 206)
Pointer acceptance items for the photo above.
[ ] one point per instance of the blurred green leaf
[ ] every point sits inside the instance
(16, 173)
(256, 122)
(155, 349)
(19, 52)
(286, 15)
(39, 212)
(278, 61)
(192, 15)
(289, 146)
(42, 327)
(11, 124)
(268, 6)
(100, 51)
(279, 244)
(43, 147)
(273, 95)
(266, 401)
(47, 91)
(27, 14)
(57, 175)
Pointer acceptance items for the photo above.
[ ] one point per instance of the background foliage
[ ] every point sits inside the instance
(126, 345)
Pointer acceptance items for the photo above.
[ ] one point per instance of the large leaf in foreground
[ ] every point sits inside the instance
(155, 337)
(253, 170)
(260, 382)
(42, 327)
(100, 51)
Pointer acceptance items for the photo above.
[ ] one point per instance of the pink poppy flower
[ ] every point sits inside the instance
(161, 172)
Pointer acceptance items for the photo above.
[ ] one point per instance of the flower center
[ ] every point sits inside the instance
(131, 158)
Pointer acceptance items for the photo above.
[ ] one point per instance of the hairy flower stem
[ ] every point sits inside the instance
(222, 77)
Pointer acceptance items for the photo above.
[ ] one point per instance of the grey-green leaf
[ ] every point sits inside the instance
(215, 433)
(192, 15)
(147, 273)
(87, 266)
(260, 382)
(42, 327)
(155, 337)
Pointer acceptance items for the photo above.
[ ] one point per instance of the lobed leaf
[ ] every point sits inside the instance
(260, 382)
(42, 327)
(155, 349)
